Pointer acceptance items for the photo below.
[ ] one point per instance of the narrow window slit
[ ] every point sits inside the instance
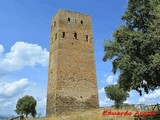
(55, 24)
(75, 36)
(63, 34)
(69, 20)
(55, 36)
(81, 22)
(87, 38)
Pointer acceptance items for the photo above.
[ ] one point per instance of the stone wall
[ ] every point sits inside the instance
(72, 81)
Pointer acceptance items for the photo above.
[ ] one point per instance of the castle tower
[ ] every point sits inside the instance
(72, 84)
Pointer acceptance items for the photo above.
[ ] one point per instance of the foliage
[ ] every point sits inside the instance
(114, 92)
(26, 105)
(135, 50)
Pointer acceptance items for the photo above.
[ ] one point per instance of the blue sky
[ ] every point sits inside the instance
(24, 48)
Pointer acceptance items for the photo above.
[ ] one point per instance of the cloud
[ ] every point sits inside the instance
(151, 97)
(112, 79)
(22, 54)
(1, 49)
(101, 91)
(6, 104)
(41, 106)
(128, 101)
(133, 93)
(41, 102)
(11, 92)
(8, 90)
(105, 102)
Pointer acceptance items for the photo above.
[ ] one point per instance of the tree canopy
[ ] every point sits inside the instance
(135, 48)
(115, 93)
(26, 105)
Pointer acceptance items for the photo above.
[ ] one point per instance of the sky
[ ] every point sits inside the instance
(24, 48)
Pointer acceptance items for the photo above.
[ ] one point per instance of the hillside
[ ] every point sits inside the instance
(95, 114)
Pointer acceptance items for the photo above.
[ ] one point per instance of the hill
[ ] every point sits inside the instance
(95, 114)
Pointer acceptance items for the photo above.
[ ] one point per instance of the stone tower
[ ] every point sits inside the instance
(72, 84)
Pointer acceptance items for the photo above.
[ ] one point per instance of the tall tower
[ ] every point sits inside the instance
(72, 81)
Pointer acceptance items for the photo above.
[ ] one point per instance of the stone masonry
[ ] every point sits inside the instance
(72, 84)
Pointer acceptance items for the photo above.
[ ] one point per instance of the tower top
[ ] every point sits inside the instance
(70, 14)
(70, 11)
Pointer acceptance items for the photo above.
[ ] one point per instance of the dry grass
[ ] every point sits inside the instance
(95, 114)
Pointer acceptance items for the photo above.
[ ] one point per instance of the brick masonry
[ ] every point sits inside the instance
(72, 84)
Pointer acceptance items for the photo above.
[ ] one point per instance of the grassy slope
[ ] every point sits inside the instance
(95, 114)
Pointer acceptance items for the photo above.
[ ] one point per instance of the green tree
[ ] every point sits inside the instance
(26, 105)
(135, 48)
(115, 93)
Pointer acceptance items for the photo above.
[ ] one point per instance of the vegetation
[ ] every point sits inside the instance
(116, 94)
(26, 105)
(93, 114)
(135, 49)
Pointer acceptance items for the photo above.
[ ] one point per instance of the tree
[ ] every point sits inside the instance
(26, 105)
(135, 48)
(114, 92)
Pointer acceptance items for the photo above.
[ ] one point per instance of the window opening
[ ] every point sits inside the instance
(69, 20)
(63, 34)
(55, 36)
(81, 22)
(75, 36)
(87, 38)
(55, 24)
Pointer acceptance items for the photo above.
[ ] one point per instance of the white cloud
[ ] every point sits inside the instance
(8, 90)
(101, 91)
(1, 49)
(132, 93)
(22, 54)
(115, 83)
(6, 104)
(11, 92)
(128, 101)
(112, 79)
(42, 102)
(151, 97)
(41, 106)
(105, 102)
